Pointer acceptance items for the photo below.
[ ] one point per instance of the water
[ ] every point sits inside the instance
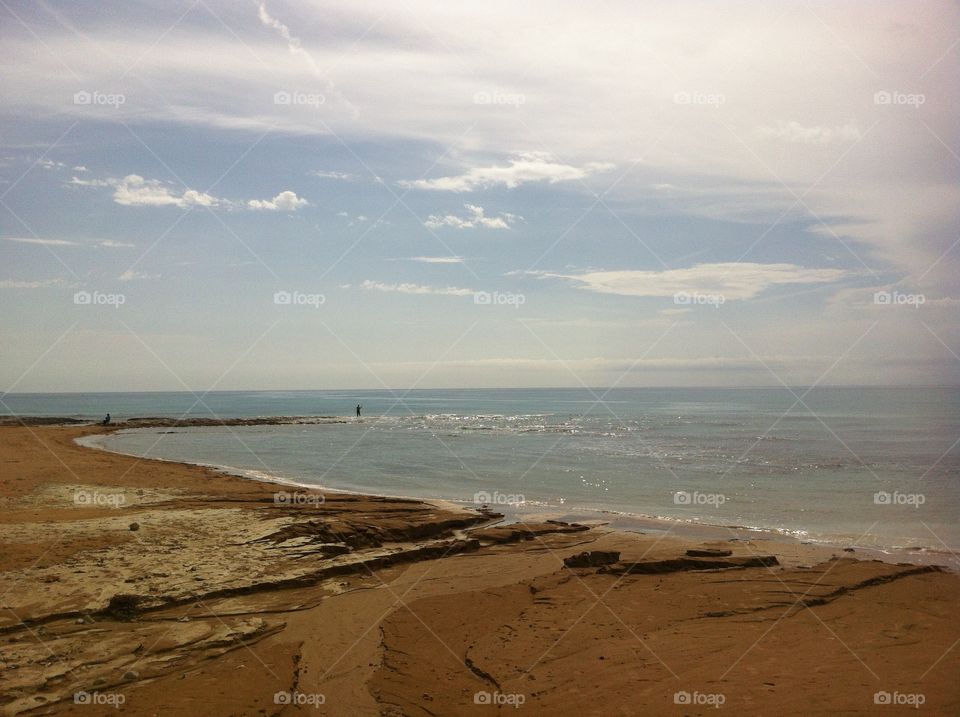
(738, 457)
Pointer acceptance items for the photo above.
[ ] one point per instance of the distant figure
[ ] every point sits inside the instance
(359, 408)
(106, 421)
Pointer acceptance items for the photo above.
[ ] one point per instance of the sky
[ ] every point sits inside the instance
(212, 195)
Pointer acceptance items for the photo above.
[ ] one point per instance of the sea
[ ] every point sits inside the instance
(873, 467)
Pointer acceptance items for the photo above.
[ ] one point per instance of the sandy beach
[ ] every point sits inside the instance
(142, 587)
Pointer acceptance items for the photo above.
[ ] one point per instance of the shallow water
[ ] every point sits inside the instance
(875, 467)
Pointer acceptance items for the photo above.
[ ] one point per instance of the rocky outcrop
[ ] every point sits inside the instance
(674, 565)
(592, 559)
(524, 531)
(709, 553)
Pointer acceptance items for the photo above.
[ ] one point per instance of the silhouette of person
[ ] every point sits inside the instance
(359, 408)
(106, 421)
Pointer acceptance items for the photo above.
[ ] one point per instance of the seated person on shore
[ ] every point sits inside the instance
(106, 421)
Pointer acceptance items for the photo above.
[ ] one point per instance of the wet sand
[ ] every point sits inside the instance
(141, 587)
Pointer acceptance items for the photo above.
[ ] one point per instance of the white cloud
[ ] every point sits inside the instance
(331, 175)
(524, 167)
(286, 201)
(44, 242)
(437, 259)
(131, 275)
(293, 43)
(475, 218)
(90, 182)
(106, 243)
(40, 284)
(732, 280)
(415, 289)
(135, 191)
(576, 105)
(80, 168)
(816, 134)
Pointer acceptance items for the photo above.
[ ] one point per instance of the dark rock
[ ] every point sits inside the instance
(333, 549)
(123, 607)
(709, 553)
(675, 565)
(592, 559)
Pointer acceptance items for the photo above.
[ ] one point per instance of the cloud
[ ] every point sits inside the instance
(524, 167)
(20, 284)
(106, 243)
(131, 275)
(293, 43)
(817, 134)
(619, 366)
(475, 218)
(415, 289)
(135, 191)
(286, 201)
(896, 186)
(44, 242)
(331, 175)
(732, 280)
(80, 168)
(437, 259)
(76, 181)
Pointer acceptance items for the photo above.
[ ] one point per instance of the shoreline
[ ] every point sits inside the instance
(616, 520)
(157, 583)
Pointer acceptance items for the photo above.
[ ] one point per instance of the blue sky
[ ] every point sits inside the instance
(477, 195)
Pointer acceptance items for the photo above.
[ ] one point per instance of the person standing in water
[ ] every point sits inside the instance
(359, 408)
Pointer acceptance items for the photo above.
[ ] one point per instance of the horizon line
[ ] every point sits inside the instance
(481, 388)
